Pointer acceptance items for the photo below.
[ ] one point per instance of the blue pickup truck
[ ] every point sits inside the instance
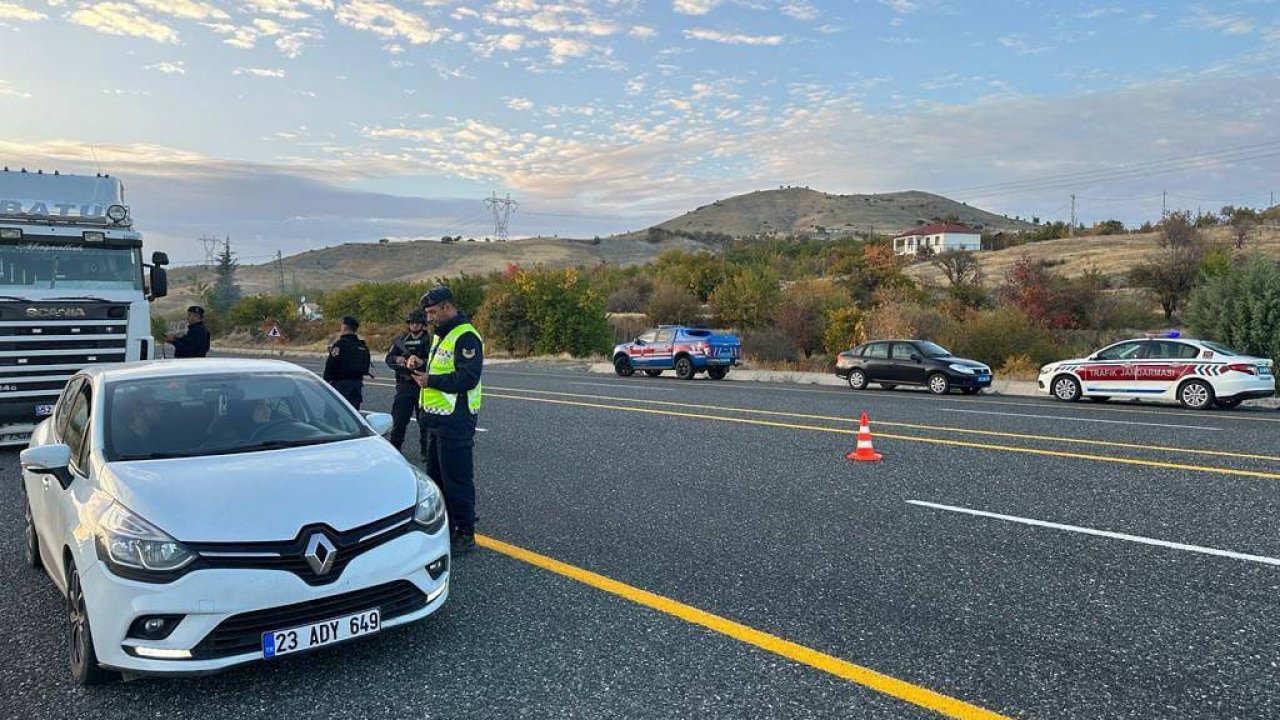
(688, 351)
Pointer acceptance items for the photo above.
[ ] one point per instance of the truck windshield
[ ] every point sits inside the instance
(31, 263)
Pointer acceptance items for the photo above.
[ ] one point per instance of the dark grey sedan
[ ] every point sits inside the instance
(911, 362)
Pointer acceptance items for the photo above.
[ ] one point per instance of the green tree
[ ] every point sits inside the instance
(1240, 308)
(672, 304)
(747, 299)
(225, 291)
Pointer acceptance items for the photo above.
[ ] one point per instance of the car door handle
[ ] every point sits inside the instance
(44, 481)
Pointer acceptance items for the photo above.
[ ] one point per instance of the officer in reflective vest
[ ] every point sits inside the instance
(448, 402)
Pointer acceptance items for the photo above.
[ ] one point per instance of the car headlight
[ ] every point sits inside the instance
(429, 512)
(962, 369)
(127, 541)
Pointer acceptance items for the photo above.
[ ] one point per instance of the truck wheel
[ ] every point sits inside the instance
(622, 365)
(684, 368)
(939, 384)
(653, 373)
(717, 373)
(1195, 395)
(85, 669)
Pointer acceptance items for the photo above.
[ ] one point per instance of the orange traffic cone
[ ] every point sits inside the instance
(864, 451)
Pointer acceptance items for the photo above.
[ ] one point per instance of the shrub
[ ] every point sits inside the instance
(991, 336)
(768, 345)
(672, 304)
(1019, 367)
(1240, 308)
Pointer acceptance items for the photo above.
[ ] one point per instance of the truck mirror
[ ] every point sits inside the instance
(159, 258)
(159, 282)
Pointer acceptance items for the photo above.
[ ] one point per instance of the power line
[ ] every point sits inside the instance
(502, 209)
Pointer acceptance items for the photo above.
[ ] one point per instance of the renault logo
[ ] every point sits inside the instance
(320, 554)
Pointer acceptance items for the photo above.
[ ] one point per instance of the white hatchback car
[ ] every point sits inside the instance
(1197, 373)
(206, 513)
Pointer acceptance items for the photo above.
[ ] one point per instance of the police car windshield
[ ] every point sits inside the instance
(35, 264)
(933, 350)
(196, 415)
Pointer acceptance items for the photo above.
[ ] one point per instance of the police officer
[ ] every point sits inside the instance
(195, 343)
(409, 352)
(348, 363)
(449, 401)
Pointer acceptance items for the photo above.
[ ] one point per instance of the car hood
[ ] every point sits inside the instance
(270, 495)
(952, 360)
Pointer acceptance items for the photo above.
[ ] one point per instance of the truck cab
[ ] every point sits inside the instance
(74, 289)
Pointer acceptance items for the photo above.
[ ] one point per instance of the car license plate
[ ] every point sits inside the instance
(44, 410)
(305, 637)
(1264, 369)
(984, 378)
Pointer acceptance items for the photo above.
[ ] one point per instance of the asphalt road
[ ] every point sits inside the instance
(704, 549)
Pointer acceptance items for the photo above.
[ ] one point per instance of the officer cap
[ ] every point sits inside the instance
(416, 316)
(350, 321)
(435, 296)
(196, 309)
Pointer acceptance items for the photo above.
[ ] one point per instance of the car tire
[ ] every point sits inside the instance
(653, 373)
(717, 373)
(888, 386)
(684, 368)
(970, 391)
(1099, 398)
(939, 384)
(622, 365)
(1228, 403)
(31, 549)
(83, 659)
(1196, 395)
(1066, 388)
(857, 380)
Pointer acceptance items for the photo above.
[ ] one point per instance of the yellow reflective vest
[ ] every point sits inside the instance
(438, 402)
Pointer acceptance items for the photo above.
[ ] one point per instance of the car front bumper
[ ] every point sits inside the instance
(207, 598)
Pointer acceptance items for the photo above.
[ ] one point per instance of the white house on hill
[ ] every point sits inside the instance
(938, 237)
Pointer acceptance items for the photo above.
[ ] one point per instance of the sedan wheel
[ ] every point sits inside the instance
(939, 384)
(857, 380)
(1195, 395)
(85, 669)
(622, 365)
(1066, 388)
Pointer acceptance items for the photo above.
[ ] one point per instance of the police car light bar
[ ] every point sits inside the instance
(1165, 334)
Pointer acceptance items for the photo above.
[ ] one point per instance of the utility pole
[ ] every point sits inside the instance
(1072, 231)
(280, 270)
(1164, 204)
(210, 245)
(502, 209)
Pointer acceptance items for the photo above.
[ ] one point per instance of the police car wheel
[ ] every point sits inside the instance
(857, 380)
(717, 373)
(684, 369)
(1228, 403)
(1066, 388)
(1195, 395)
(622, 365)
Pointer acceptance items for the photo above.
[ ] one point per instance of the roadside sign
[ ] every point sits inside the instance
(274, 331)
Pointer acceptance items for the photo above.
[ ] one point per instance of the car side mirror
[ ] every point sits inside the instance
(48, 460)
(159, 283)
(159, 258)
(380, 422)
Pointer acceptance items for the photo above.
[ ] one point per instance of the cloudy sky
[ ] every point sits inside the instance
(291, 124)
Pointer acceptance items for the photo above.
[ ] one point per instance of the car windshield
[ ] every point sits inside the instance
(193, 415)
(1220, 349)
(933, 350)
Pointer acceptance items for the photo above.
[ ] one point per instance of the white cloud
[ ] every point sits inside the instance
(694, 7)
(259, 72)
(286, 9)
(12, 11)
(1021, 45)
(800, 10)
(901, 6)
(1225, 24)
(177, 67)
(8, 90)
(642, 32)
(120, 18)
(520, 104)
(561, 49)
(291, 44)
(186, 9)
(387, 20)
(732, 39)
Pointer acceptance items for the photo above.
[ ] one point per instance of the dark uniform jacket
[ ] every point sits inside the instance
(194, 344)
(468, 362)
(348, 359)
(403, 346)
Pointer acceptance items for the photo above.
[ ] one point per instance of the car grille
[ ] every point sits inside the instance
(290, 555)
(241, 634)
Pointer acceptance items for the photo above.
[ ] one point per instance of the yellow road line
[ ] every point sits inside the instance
(912, 438)
(866, 677)
(914, 426)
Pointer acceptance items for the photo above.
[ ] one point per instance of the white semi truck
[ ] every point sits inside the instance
(72, 288)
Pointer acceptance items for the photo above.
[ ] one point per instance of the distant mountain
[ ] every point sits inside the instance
(801, 211)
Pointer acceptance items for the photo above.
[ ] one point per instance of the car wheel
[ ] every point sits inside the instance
(939, 384)
(857, 380)
(1195, 395)
(622, 365)
(1228, 403)
(85, 669)
(888, 386)
(653, 373)
(684, 368)
(1066, 388)
(971, 391)
(1099, 398)
(717, 373)
(31, 548)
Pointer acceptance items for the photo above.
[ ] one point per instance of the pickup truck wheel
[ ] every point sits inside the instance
(684, 368)
(717, 373)
(653, 373)
(622, 365)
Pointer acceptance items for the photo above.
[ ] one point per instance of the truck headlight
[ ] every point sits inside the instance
(429, 512)
(127, 541)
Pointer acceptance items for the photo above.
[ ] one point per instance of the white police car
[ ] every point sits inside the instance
(207, 513)
(1196, 373)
